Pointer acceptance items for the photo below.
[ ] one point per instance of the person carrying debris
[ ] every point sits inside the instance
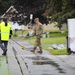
(5, 33)
(38, 30)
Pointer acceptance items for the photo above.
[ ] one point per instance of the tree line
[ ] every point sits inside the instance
(53, 10)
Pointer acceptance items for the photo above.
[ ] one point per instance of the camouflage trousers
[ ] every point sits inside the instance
(3, 45)
(38, 43)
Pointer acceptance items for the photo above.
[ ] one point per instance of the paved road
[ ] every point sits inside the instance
(42, 64)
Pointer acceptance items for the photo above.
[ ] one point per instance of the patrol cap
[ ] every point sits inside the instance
(36, 19)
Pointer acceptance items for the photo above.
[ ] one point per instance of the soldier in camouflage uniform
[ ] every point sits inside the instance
(38, 30)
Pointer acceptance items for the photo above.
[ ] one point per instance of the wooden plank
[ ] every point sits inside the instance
(3, 66)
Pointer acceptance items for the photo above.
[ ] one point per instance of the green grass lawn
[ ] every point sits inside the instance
(54, 40)
(56, 51)
(58, 35)
(20, 32)
(15, 34)
(59, 52)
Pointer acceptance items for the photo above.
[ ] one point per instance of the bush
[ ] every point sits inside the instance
(53, 32)
(66, 31)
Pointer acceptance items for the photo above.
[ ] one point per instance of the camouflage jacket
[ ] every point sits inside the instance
(38, 29)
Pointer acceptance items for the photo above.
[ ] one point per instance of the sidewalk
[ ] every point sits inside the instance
(10, 64)
(68, 59)
(45, 61)
(14, 65)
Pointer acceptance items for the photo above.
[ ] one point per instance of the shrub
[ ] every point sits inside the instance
(52, 32)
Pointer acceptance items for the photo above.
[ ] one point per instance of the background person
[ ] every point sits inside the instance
(5, 32)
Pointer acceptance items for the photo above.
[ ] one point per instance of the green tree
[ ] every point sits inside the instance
(67, 11)
(59, 10)
(35, 7)
(4, 5)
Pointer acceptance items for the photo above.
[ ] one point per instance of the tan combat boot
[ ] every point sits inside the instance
(33, 50)
(40, 52)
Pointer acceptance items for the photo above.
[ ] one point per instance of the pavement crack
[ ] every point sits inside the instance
(19, 65)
